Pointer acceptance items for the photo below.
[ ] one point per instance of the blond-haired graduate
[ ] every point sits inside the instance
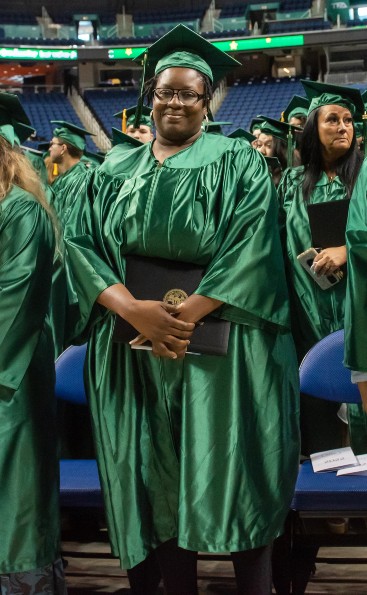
(29, 487)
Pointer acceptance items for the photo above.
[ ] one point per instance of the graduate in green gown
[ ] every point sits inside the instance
(194, 452)
(331, 163)
(29, 470)
(66, 151)
(330, 166)
(276, 141)
(129, 136)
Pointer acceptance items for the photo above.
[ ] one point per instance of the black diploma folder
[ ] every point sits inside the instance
(328, 221)
(171, 281)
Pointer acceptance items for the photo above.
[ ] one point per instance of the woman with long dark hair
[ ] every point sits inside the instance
(330, 166)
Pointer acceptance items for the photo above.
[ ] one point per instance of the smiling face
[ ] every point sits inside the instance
(174, 121)
(335, 128)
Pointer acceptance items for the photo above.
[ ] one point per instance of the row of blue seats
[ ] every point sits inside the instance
(42, 108)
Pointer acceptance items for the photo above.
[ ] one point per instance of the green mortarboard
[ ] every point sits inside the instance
(277, 128)
(326, 94)
(298, 106)
(281, 130)
(255, 124)
(119, 138)
(71, 134)
(241, 133)
(11, 111)
(22, 132)
(181, 47)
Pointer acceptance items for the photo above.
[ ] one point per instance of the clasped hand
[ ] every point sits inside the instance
(157, 322)
(329, 260)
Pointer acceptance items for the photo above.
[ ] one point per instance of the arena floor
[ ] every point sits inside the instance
(91, 569)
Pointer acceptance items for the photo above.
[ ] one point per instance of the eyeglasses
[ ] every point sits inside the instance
(185, 96)
(59, 144)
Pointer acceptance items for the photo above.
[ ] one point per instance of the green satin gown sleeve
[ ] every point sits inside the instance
(266, 303)
(29, 520)
(206, 449)
(356, 304)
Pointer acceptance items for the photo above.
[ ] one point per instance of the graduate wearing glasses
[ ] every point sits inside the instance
(195, 452)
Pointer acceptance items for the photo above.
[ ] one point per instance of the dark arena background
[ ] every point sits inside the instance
(74, 60)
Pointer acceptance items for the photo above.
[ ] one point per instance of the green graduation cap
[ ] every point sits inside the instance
(277, 128)
(71, 134)
(183, 48)
(119, 138)
(11, 111)
(22, 132)
(128, 116)
(241, 133)
(297, 107)
(283, 131)
(255, 124)
(326, 94)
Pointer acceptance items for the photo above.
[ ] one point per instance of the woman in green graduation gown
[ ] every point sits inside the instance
(330, 166)
(194, 452)
(67, 148)
(331, 162)
(29, 486)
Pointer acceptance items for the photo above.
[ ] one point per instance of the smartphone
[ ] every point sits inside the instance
(324, 281)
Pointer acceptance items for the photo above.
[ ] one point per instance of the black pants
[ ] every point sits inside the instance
(292, 565)
(178, 569)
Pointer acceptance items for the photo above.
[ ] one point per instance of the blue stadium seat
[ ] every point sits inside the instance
(105, 103)
(245, 101)
(41, 108)
(79, 480)
(324, 495)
